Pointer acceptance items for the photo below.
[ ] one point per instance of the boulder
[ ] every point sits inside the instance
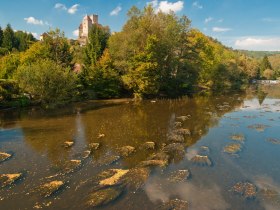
(50, 188)
(115, 178)
(94, 146)
(150, 163)
(8, 179)
(135, 178)
(237, 137)
(4, 156)
(232, 148)
(71, 166)
(126, 151)
(68, 144)
(103, 196)
(149, 145)
(201, 160)
(108, 160)
(245, 189)
(179, 176)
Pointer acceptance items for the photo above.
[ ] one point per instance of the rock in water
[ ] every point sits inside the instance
(118, 174)
(86, 154)
(237, 137)
(149, 145)
(4, 156)
(126, 151)
(94, 146)
(179, 176)
(72, 165)
(245, 189)
(8, 179)
(103, 197)
(68, 144)
(50, 188)
(174, 204)
(202, 160)
(183, 118)
(273, 140)
(182, 131)
(136, 178)
(175, 138)
(175, 150)
(108, 160)
(232, 148)
(150, 163)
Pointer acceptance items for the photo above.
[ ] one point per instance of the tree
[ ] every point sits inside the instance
(103, 79)
(47, 82)
(265, 64)
(8, 65)
(97, 42)
(1, 36)
(23, 40)
(9, 40)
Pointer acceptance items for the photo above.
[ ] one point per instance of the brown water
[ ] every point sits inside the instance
(35, 139)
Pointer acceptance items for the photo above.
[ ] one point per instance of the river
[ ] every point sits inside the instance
(205, 152)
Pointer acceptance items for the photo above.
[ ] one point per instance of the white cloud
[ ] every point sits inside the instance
(220, 20)
(72, 10)
(209, 19)
(76, 33)
(218, 29)
(60, 6)
(258, 43)
(35, 35)
(269, 20)
(34, 21)
(197, 5)
(166, 6)
(116, 11)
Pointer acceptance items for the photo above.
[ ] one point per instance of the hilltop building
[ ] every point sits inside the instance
(84, 28)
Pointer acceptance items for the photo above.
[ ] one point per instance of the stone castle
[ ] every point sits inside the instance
(84, 28)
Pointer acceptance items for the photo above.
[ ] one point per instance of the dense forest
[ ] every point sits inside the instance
(155, 54)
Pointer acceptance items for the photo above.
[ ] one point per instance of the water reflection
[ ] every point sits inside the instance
(211, 120)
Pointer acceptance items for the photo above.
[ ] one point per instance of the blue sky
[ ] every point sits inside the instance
(241, 24)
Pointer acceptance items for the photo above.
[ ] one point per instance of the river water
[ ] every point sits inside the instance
(250, 119)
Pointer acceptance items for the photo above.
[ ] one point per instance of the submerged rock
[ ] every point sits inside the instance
(205, 149)
(177, 124)
(160, 156)
(174, 150)
(148, 163)
(94, 146)
(179, 176)
(202, 160)
(183, 118)
(232, 148)
(103, 196)
(86, 154)
(273, 140)
(8, 179)
(270, 195)
(4, 156)
(115, 178)
(150, 145)
(174, 204)
(175, 138)
(108, 160)
(136, 178)
(182, 131)
(100, 135)
(72, 165)
(245, 189)
(237, 137)
(258, 127)
(50, 188)
(68, 144)
(126, 151)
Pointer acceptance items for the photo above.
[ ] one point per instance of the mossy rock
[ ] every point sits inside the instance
(201, 160)
(4, 156)
(179, 176)
(136, 178)
(126, 151)
(174, 204)
(103, 196)
(232, 148)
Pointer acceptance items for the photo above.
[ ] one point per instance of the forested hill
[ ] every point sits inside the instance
(154, 54)
(259, 54)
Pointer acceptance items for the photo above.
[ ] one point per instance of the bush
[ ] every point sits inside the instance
(47, 82)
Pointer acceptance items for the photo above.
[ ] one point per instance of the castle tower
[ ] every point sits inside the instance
(84, 28)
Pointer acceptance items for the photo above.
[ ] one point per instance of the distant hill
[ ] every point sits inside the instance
(259, 54)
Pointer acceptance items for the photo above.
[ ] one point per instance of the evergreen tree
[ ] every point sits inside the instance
(9, 40)
(1, 36)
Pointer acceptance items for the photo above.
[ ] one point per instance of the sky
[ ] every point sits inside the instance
(240, 24)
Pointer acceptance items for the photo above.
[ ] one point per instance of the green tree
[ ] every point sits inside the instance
(9, 40)
(23, 40)
(47, 82)
(8, 65)
(103, 79)
(265, 64)
(1, 36)
(97, 42)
